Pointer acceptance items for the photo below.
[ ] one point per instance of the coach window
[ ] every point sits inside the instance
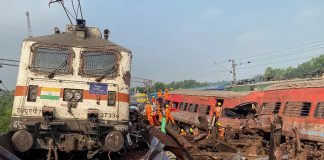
(53, 60)
(183, 106)
(175, 104)
(296, 109)
(319, 111)
(277, 108)
(193, 107)
(208, 110)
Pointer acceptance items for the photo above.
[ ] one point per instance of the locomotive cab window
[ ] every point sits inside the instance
(49, 60)
(99, 64)
(319, 111)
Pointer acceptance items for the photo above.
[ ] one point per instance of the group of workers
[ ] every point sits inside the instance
(158, 112)
(159, 109)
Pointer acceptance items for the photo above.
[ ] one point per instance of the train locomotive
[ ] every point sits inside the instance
(72, 92)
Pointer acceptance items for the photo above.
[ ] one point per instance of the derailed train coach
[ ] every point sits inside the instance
(73, 91)
(300, 104)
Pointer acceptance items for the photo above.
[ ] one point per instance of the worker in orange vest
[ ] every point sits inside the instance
(149, 113)
(221, 131)
(166, 94)
(160, 96)
(216, 114)
(168, 114)
(159, 113)
(153, 100)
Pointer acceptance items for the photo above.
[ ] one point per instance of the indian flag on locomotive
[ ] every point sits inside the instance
(50, 93)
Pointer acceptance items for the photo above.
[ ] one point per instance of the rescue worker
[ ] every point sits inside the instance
(149, 113)
(166, 94)
(153, 100)
(183, 132)
(159, 112)
(160, 96)
(221, 131)
(168, 114)
(216, 114)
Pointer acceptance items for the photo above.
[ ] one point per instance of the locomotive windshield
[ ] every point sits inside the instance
(51, 59)
(99, 64)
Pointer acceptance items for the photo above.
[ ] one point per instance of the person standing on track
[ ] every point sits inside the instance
(168, 114)
(149, 113)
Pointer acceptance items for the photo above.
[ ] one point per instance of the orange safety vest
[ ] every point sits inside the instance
(166, 95)
(159, 94)
(218, 111)
(148, 109)
(153, 100)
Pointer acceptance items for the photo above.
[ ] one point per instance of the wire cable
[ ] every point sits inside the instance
(288, 53)
(284, 49)
(279, 62)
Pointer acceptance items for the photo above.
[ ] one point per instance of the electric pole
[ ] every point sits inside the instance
(30, 33)
(233, 70)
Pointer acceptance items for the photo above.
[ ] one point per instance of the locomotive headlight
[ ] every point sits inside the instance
(68, 95)
(77, 96)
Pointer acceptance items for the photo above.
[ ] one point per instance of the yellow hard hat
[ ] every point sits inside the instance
(182, 130)
(152, 96)
(219, 103)
(219, 124)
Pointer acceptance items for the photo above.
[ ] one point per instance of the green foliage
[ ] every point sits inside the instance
(176, 85)
(6, 102)
(311, 68)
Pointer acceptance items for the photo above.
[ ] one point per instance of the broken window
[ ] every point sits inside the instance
(319, 111)
(99, 64)
(51, 59)
(270, 108)
(295, 109)
(241, 111)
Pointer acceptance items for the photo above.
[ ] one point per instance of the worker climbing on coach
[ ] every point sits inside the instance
(149, 113)
(160, 96)
(216, 114)
(168, 114)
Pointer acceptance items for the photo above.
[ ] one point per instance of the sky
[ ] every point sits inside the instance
(183, 39)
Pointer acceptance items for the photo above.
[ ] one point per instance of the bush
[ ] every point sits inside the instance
(6, 102)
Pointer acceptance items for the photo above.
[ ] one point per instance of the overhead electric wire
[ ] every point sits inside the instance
(203, 68)
(2, 59)
(279, 61)
(287, 53)
(281, 50)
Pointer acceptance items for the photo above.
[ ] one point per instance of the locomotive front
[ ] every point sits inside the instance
(72, 92)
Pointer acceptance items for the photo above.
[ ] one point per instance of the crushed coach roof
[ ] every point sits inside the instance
(216, 93)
